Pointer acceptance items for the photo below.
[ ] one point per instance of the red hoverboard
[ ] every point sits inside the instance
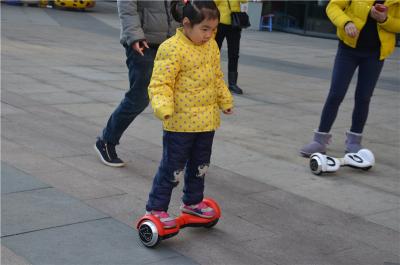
(151, 230)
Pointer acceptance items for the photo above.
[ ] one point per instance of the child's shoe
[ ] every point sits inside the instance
(201, 210)
(165, 219)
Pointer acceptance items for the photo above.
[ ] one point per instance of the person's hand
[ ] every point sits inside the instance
(228, 111)
(351, 30)
(139, 46)
(379, 13)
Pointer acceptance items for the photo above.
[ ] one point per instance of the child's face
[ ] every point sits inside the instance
(200, 33)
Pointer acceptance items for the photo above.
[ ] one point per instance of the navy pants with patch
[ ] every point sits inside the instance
(185, 155)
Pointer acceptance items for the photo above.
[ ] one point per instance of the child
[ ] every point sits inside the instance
(186, 92)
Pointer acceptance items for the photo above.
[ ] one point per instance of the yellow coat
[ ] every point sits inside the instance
(224, 10)
(340, 12)
(187, 84)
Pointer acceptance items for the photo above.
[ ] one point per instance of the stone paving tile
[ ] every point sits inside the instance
(226, 153)
(7, 110)
(353, 198)
(294, 248)
(367, 255)
(105, 96)
(91, 165)
(33, 87)
(17, 78)
(118, 204)
(376, 179)
(28, 211)
(8, 257)
(78, 184)
(56, 141)
(325, 220)
(206, 249)
(304, 209)
(96, 242)
(237, 184)
(14, 180)
(86, 110)
(279, 173)
(144, 166)
(129, 218)
(14, 99)
(59, 98)
(90, 73)
(28, 160)
(390, 219)
(136, 185)
(61, 119)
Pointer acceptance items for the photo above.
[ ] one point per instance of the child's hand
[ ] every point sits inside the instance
(228, 111)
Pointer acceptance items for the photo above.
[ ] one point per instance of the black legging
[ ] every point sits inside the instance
(233, 40)
(369, 69)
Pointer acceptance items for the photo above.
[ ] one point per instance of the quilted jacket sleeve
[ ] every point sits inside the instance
(131, 28)
(335, 12)
(161, 89)
(392, 23)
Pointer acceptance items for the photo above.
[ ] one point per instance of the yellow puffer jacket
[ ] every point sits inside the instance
(187, 84)
(340, 12)
(224, 10)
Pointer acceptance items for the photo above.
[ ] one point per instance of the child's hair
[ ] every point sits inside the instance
(195, 11)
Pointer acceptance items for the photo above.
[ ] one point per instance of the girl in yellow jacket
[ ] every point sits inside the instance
(367, 35)
(187, 92)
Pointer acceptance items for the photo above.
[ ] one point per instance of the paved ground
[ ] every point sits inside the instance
(62, 75)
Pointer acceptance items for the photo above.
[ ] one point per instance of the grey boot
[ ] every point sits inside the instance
(232, 80)
(317, 145)
(353, 142)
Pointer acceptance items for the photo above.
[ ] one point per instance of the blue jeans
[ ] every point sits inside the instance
(136, 99)
(184, 154)
(369, 69)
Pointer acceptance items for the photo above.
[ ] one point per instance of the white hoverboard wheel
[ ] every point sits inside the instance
(316, 163)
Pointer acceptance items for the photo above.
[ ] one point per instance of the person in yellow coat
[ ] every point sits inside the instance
(187, 92)
(232, 35)
(367, 35)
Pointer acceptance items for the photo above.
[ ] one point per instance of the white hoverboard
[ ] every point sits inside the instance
(320, 163)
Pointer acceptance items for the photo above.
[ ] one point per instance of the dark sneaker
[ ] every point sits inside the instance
(107, 154)
(201, 210)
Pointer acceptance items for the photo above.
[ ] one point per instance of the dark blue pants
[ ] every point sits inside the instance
(184, 155)
(136, 99)
(369, 69)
